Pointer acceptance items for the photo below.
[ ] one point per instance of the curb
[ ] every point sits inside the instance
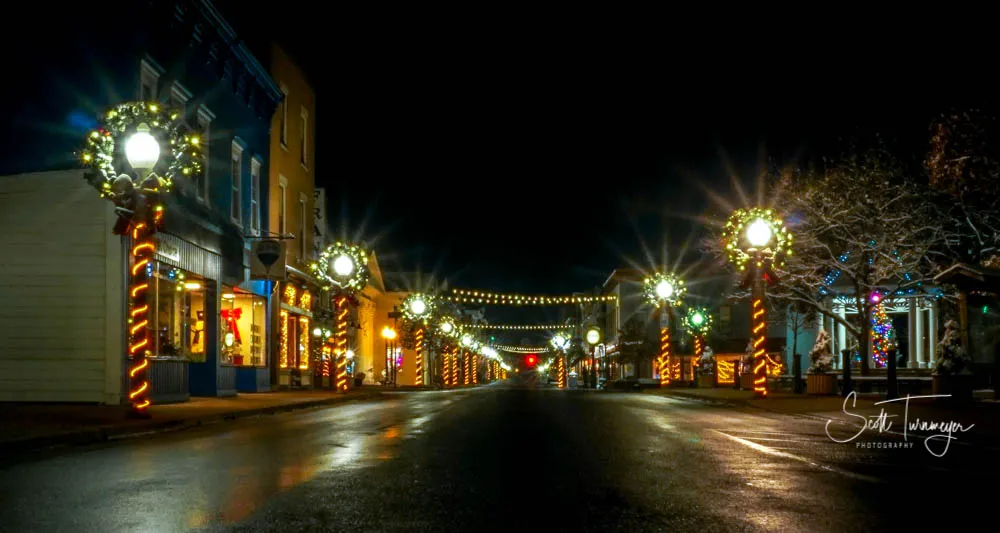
(94, 436)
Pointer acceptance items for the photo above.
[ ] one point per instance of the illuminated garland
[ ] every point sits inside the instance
(676, 369)
(521, 326)
(419, 360)
(340, 336)
(475, 369)
(454, 367)
(304, 341)
(726, 371)
(465, 368)
(521, 349)
(483, 297)
(327, 355)
(882, 334)
(664, 359)
(739, 251)
(325, 268)
(184, 157)
(562, 371)
(760, 358)
(677, 289)
(139, 347)
(698, 321)
(283, 349)
(410, 301)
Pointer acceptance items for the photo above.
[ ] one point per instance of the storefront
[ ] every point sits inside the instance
(294, 326)
(185, 303)
(243, 335)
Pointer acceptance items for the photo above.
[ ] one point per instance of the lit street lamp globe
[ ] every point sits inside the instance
(758, 233)
(343, 265)
(698, 321)
(559, 342)
(755, 233)
(664, 289)
(593, 335)
(467, 340)
(418, 307)
(142, 149)
(448, 327)
(318, 332)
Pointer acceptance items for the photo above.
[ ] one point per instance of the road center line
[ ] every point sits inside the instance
(777, 453)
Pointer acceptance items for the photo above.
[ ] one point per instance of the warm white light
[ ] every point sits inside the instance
(593, 336)
(447, 328)
(418, 307)
(559, 342)
(317, 332)
(466, 340)
(349, 354)
(388, 333)
(664, 289)
(343, 265)
(759, 233)
(228, 296)
(142, 149)
(230, 339)
(192, 286)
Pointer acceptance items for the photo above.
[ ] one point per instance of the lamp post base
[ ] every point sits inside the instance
(140, 414)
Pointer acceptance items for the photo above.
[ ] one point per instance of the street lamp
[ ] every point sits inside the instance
(343, 269)
(593, 337)
(757, 237)
(418, 309)
(664, 292)
(560, 343)
(698, 323)
(154, 137)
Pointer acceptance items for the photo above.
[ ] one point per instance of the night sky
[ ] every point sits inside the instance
(537, 153)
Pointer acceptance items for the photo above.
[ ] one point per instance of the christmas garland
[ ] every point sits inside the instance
(652, 282)
(734, 236)
(184, 157)
(355, 280)
(698, 321)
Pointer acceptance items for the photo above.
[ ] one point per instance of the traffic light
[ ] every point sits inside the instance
(531, 360)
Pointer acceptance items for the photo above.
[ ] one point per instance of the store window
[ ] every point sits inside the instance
(179, 320)
(242, 317)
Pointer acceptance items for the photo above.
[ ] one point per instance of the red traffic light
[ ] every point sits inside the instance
(531, 360)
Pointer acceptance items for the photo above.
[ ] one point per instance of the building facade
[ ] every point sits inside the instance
(209, 319)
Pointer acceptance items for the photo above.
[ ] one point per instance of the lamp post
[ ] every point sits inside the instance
(698, 322)
(417, 309)
(449, 330)
(755, 239)
(560, 343)
(343, 269)
(593, 337)
(664, 292)
(146, 128)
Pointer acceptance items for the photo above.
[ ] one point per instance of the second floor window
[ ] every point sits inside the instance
(236, 174)
(284, 116)
(282, 202)
(255, 196)
(201, 181)
(303, 154)
(302, 228)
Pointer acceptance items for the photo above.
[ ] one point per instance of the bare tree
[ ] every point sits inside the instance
(858, 223)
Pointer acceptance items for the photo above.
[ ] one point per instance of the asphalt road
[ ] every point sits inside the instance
(502, 458)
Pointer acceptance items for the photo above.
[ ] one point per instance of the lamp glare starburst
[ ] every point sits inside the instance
(662, 289)
(755, 230)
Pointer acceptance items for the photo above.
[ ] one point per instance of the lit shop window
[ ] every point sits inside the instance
(180, 314)
(242, 317)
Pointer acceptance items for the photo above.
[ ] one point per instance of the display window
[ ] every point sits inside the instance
(179, 321)
(242, 319)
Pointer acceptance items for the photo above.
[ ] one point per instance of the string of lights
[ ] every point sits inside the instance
(522, 326)
(493, 298)
(520, 349)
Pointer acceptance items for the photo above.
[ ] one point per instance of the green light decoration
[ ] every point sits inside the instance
(344, 266)
(166, 125)
(418, 307)
(755, 230)
(698, 321)
(662, 289)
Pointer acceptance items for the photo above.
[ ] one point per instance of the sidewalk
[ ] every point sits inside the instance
(25, 427)
(984, 413)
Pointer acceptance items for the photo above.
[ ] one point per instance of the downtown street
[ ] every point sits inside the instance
(508, 456)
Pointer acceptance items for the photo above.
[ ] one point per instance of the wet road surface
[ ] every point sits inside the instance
(502, 458)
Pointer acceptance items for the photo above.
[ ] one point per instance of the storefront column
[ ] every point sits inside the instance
(921, 338)
(841, 311)
(932, 313)
(912, 336)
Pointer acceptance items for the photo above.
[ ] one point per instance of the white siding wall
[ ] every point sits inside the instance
(60, 291)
